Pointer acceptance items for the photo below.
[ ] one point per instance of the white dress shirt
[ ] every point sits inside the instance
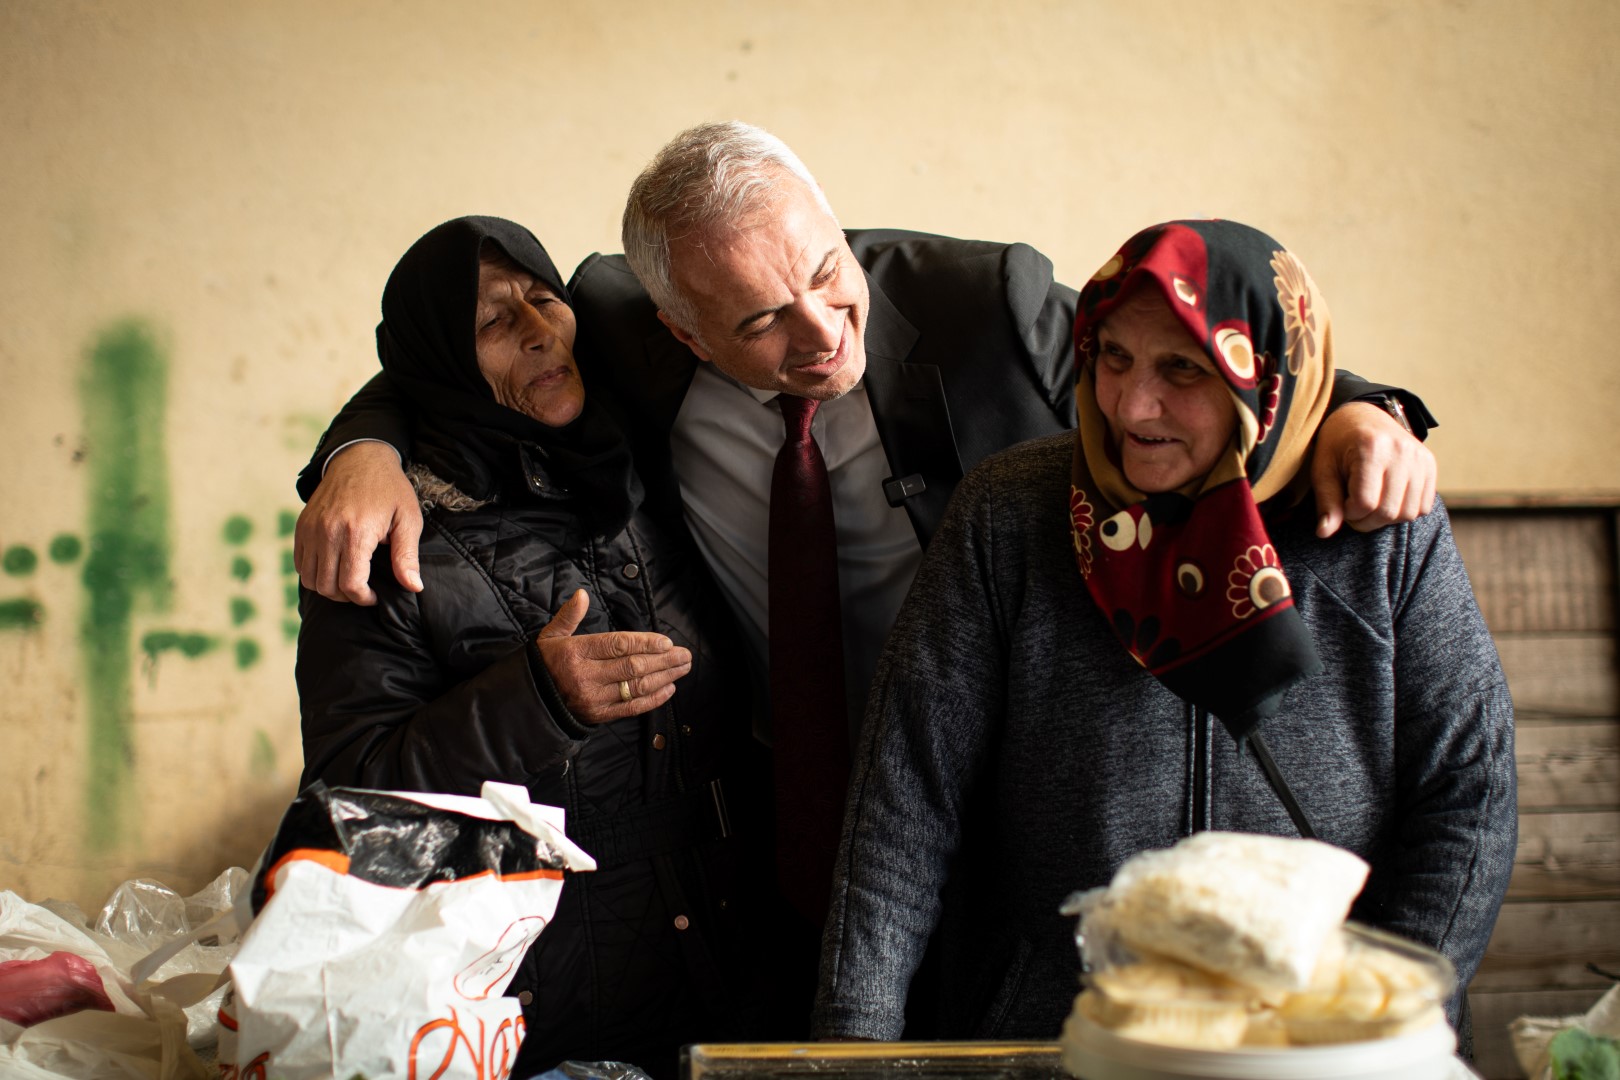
(723, 447)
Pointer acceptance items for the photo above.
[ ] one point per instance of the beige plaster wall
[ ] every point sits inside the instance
(210, 196)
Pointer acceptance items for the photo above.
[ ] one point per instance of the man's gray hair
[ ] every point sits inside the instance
(711, 174)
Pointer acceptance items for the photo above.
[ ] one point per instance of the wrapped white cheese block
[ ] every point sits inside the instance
(1257, 909)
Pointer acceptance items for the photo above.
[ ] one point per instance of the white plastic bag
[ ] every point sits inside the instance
(388, 925)
(149, 1034)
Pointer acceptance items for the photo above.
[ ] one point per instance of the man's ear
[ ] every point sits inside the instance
(683, 336)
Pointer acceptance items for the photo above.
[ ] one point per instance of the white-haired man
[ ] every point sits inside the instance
(738, 294)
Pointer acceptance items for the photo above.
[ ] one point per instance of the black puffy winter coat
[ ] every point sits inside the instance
(442, 690)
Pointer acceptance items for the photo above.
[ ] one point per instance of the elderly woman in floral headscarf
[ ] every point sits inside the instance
(1126, 636)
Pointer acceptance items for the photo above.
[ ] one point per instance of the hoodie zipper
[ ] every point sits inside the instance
(1202, 774)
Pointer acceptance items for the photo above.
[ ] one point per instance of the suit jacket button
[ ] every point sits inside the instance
(658, 741)
(525, 998)
(682, 922)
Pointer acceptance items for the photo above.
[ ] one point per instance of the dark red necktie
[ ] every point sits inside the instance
(809, 713)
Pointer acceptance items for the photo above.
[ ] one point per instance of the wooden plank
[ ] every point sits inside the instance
(1568, 856)
(1568, 764)
(1540, 571)
(1592, 499)
(1493, 1012)
(1546, 946)
(1561, 675)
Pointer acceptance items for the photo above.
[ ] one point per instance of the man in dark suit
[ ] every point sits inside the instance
(740, 296)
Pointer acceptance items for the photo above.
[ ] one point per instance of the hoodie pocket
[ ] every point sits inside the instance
(1007, 992)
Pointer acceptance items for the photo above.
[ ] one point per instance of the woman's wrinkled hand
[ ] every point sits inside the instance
(604, 677)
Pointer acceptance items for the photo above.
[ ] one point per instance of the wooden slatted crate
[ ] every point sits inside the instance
(1545, 578)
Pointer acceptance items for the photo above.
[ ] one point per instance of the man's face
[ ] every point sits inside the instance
(781, 302)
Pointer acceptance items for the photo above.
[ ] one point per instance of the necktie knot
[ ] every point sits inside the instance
(797, 412)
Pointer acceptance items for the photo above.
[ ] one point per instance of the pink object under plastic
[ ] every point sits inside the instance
(61, 983)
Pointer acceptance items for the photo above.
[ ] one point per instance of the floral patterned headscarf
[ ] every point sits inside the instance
(1190, 581)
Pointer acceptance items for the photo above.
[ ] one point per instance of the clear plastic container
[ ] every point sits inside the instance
(1385, 986)
(1374, 1012)
(1095, 1053)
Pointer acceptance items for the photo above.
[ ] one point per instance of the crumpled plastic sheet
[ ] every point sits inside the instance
(593, 1070)
(157, 1027)
(142, 915)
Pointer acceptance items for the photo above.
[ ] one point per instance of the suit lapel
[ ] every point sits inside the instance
(913, 417)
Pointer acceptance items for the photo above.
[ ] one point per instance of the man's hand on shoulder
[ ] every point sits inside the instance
(1369, 471)
(363, 500)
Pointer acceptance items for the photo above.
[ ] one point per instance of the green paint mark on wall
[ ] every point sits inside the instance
(19, 561)
(122, 392)
(263, 762)
(290, 595)
(237, 529)
(241, 568)
(242, 610)
(286, 521)
(189, 645)
(22, 615)
(287, 565)
(289, 629)
(65, 547)
(247, 653)
(301, 431)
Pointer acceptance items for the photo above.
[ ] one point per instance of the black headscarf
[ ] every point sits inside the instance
(427, 344)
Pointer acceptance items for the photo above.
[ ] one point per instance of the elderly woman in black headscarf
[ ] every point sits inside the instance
(564, 640)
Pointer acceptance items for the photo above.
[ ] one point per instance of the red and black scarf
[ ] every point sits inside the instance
(1189, 580)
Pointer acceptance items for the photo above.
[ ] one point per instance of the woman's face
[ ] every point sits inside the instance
(525, 340)
(1169, 414)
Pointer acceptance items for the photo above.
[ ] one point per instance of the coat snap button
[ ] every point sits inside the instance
(632, 571)
(682, 922)
(524, 997)
(686, 729)
(658, 741)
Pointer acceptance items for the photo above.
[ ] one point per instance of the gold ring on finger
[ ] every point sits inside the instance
(624, 690)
